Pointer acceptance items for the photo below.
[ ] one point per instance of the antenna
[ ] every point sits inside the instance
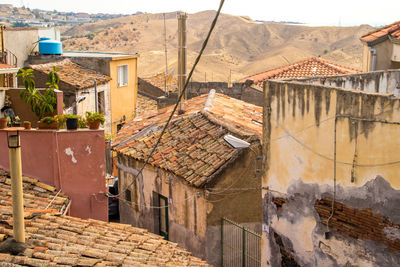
(166, 55)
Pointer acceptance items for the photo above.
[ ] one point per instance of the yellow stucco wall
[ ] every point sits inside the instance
(302, 147)
(299, 144)
(123, 99)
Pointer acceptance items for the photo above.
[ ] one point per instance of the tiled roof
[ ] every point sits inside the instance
(158, 80)
(192, 147)
(73, 74)
(53, 239)
(310, 67)
(145, 105)
(38, 197)
(392, 31)
(5, 66)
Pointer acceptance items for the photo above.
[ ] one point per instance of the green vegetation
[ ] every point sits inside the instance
(42, 103)
(48, 120)
(95, 117)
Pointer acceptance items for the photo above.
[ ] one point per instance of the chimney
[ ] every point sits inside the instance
(181, 54)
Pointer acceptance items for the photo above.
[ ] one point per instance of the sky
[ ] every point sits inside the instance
(313, 12)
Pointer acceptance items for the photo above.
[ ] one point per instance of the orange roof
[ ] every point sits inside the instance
(193, 146)
(53, 239)
(310, 67)
(158, 80)
(73, 74)
(391, 31)
(5, 66)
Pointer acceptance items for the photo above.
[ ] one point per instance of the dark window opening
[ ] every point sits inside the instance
(128, 195)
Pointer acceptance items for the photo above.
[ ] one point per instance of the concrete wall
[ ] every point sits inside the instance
(301, 151)
(384, 82)
(384, 52)
(187, 205)
(89, 104)
(71, 161)
(194, 214)
(23, 42)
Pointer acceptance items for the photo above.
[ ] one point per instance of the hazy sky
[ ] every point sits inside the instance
(314, 12)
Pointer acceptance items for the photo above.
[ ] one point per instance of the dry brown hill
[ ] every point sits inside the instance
(238, 44)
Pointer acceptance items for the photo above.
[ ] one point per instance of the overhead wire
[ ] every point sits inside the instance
(179, 99)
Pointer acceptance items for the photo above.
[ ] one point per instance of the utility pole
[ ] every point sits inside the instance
(16, 187)
(166, 56)
(181, 54)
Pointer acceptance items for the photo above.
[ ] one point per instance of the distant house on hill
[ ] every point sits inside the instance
(307, 68)
(194, 179)
(382, 48)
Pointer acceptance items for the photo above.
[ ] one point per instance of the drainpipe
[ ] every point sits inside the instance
(373, 50)
(16, 187)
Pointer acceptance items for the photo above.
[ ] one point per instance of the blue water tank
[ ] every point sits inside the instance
(49, 47)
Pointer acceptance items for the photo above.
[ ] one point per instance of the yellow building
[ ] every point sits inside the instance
(122, 68)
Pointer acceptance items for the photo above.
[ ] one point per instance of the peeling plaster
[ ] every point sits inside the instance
(69, 152)
(392, 233)
(88, 149)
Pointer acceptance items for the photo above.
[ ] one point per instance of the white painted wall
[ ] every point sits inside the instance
(89, 104)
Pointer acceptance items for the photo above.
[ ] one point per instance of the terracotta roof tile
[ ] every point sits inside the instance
(392, 31)
(193, 146)
(158, 80)
(145, 105)
(73, 74)
(5, 66)
(310, 67)
(56, 239)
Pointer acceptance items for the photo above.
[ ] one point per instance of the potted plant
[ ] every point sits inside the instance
(72, 121)
(27, 125)
(61, 121)
(94, 120)
(43, 103)
(17, 121)
(48, 123)
(3, 123)
(82, 122)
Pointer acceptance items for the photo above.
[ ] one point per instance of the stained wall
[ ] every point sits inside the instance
(329, 143)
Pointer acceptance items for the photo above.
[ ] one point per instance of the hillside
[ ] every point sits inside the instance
(238, 44)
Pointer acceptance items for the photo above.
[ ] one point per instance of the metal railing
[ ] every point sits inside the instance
(239, 245)
(8, 58)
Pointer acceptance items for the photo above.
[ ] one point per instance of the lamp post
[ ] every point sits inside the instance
(238, 143)
(14, 148)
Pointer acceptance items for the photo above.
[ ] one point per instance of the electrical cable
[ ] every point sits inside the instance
(180, 96)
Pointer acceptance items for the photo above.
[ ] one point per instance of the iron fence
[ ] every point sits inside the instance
(240, 246)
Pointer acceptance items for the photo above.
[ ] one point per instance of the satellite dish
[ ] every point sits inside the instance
(236, 142)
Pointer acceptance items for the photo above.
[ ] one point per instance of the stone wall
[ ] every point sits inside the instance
(241, 91)
(323, 143)
(384, 82)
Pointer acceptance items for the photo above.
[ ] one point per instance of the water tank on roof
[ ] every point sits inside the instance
(49, 47)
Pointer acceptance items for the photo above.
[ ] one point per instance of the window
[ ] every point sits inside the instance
(161, 215)
(122, 75)
(101, 102)
(128, 196)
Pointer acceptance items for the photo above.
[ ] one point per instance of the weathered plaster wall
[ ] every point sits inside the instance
(71, 161)
(385, 82)
(21, 43)
(299, 138)
(235, 196)
(187, 205)
(195, 214)
(89, 104)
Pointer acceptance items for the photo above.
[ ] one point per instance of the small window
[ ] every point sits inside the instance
(101, 105)
(122, 75)
(119, 126)
(128, 195)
